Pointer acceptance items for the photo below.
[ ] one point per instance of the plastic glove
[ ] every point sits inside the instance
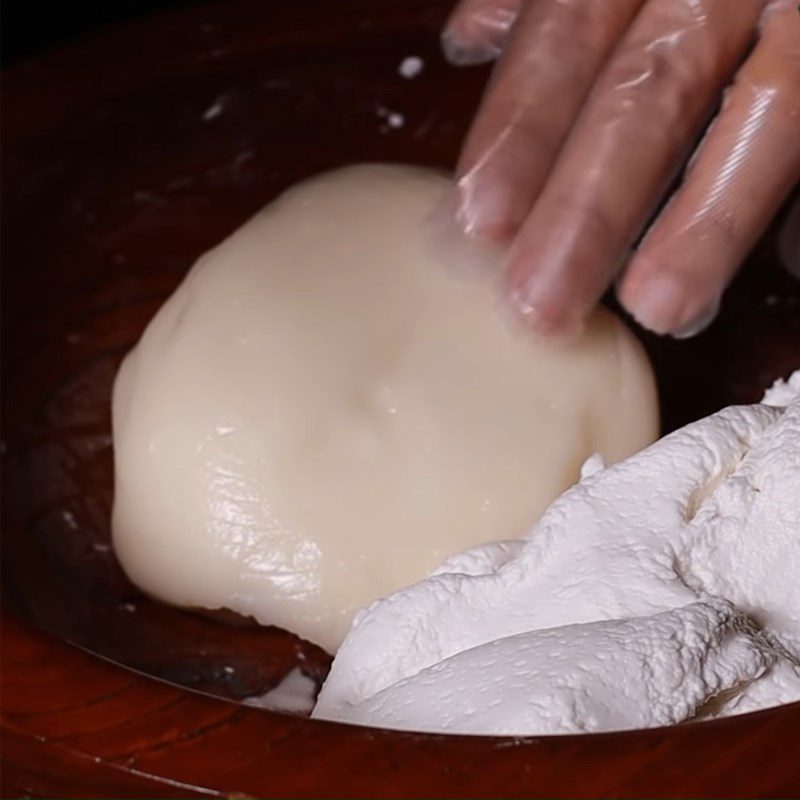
(589, 116)
(477, 31)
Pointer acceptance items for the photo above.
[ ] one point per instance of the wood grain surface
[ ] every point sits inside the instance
(125, 156)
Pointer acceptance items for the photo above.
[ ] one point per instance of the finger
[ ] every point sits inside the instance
(476, 31)
(637, 126)
(556, 51)
(744, 171)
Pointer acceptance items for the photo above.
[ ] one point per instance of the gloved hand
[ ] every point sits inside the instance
(591, 113)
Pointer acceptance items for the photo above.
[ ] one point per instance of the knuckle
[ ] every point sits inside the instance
(593, 221)
(663, 80)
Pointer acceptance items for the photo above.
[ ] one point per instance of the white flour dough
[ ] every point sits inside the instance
(321, 412)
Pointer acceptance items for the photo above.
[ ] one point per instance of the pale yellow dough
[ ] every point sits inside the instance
(321, 412)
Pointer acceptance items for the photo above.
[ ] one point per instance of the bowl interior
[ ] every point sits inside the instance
(122, 165)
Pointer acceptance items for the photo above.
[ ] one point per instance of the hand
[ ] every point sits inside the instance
(591, 113)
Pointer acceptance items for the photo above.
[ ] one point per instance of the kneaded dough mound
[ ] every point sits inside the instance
(321, 412)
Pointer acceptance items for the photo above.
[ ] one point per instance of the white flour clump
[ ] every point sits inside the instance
(294, 694)
(656, 590)
(411, 66)
(782, 393)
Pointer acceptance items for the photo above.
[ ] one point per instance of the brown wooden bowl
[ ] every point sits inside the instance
(125, 157)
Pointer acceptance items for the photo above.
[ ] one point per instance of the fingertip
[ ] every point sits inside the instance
(653, 302)
(463, 53)
(552, 317)
(484, 205)
(665, 303)
(476, 31)
(698, 323)
(448, 245)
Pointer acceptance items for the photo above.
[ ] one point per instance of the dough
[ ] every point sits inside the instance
(322, 412)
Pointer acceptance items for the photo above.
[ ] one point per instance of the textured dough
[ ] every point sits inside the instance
(654, 590)
(321, 412)
(556, 680)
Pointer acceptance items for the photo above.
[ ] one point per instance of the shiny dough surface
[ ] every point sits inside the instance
(322, 411)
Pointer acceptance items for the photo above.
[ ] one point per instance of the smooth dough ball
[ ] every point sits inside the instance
(321, 412)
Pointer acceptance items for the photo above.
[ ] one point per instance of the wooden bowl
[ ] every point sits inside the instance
(125, 157)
